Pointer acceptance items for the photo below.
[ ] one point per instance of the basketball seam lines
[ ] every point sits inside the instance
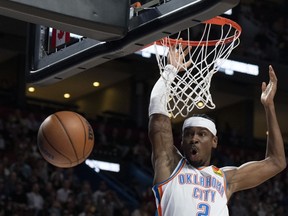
(45, 137)
(85, 138)
(68, 135)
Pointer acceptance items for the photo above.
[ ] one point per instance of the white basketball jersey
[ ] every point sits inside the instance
(192, 192)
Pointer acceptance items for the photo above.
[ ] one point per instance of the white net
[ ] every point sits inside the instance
(197, 61)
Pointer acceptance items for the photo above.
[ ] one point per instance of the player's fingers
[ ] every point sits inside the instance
(187, 49)
(272, 74)
(263, 87)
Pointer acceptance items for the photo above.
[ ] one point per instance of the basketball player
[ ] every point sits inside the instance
(187, 184)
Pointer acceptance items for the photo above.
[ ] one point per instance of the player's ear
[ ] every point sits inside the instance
(214, 142)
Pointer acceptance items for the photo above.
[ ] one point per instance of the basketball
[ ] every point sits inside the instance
(65, 139)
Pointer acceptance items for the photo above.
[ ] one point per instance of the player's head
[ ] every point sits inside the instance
(198, 139)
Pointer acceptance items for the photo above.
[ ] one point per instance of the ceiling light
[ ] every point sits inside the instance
(96, 84)
(66, 95)
(103, 165)
(200, 104)
(229, 67)
(31, 89)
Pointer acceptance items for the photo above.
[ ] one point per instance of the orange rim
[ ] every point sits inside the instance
(221, 21)
(136, 5)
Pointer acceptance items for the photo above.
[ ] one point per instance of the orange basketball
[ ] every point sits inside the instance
(65, 139)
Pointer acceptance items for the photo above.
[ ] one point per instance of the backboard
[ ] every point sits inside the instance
(100, 40)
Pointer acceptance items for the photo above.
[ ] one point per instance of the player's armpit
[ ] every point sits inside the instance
(164, 166)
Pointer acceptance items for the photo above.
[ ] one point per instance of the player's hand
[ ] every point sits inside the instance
(176, 56)
(269, 91)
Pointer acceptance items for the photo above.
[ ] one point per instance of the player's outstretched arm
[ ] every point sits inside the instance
(165, 156)
(254, 173)
(275, 151)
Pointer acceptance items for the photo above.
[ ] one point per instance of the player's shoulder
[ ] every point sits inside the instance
(220, 171)
(217, 171)
(229, 171)
(228, 168)
(214, 170)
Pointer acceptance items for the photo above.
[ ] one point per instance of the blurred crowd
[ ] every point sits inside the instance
(265, 35)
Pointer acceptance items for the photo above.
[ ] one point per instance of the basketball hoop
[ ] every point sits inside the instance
(209, 45)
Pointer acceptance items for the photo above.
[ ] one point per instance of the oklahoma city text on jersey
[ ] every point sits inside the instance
(191, 191)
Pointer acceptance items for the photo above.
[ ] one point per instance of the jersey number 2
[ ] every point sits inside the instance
(203, 209)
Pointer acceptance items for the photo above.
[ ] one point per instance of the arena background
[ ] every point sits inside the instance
(120, 105)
